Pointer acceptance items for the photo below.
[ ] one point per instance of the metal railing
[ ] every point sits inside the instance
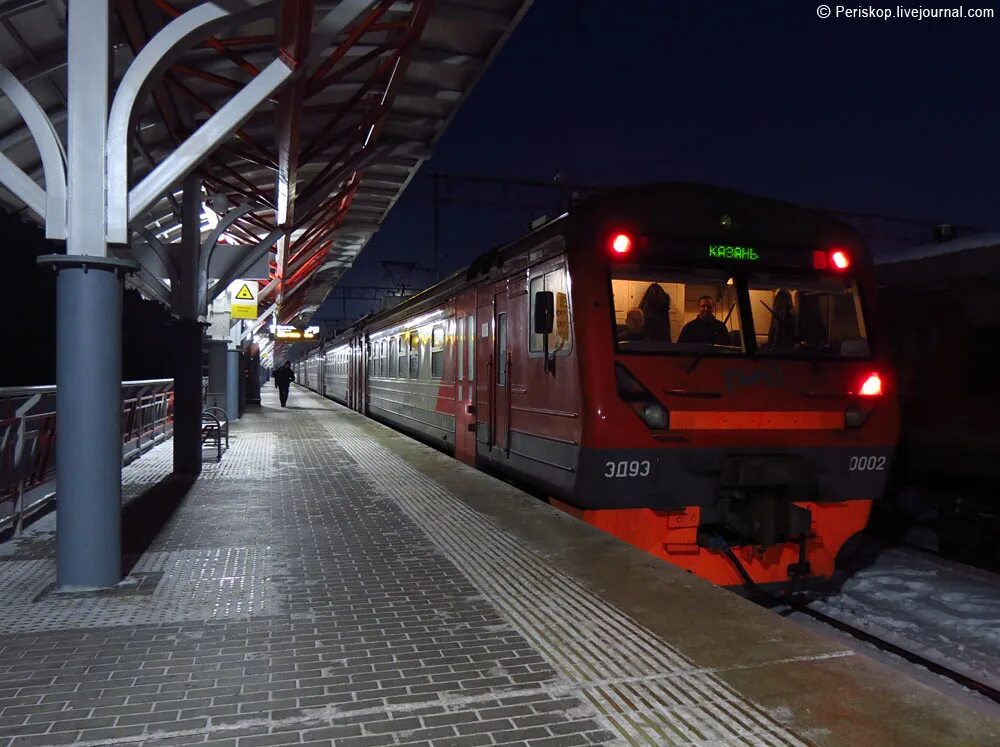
(28, 439)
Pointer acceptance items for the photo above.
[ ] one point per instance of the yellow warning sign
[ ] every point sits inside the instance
(244, 299)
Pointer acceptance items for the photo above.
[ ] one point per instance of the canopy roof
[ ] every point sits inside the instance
(319, 164)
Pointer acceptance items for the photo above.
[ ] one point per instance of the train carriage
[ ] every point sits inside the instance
(692, 369)
(942, 307)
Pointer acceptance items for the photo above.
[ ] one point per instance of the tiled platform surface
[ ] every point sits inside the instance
(333, 583)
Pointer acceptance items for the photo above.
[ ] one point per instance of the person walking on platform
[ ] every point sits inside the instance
(283, 378)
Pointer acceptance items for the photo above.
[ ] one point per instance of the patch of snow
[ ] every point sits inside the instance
(943, 611)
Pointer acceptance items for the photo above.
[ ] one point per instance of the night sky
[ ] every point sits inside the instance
(896, 117)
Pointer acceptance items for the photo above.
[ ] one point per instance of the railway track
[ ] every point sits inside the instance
(803, 608)
(799, 603)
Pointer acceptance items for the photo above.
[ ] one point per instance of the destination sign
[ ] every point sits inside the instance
(290, 332)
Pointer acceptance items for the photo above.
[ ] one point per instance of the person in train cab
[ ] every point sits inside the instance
(655, 308)
(781, 335)
(283, 378)
(705, 328)
(633, 332)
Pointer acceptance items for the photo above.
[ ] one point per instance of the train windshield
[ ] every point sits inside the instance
(682, 311)
(807, 316)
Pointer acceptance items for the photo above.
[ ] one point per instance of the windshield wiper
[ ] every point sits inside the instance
(782, 323)
(731, 308)
(698, 358)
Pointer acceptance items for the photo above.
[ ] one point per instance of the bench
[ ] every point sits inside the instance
(215, 428)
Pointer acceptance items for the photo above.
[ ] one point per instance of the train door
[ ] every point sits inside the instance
(500, 378)
(357, 374)
(465, 396)
(352, 375)
(365, 351)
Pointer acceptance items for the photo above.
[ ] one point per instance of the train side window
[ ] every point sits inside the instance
(391, 372)
(401, 357)
(437, 351)
(560, 339)
(471, 337)
(460, 340)
(536, 285)
(414, 355)
(502, 349)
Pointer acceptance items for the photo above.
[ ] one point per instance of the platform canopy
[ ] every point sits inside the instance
(355, 95)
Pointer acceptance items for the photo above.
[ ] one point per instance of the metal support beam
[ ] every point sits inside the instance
(188, 332)
(88, 329)
(294, 35)
(193, 150)
(88, 407)
(208, 248)
(233, 384)
(155, 57)
(88, 126)
(53, 160)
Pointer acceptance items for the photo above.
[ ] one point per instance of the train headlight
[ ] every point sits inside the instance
(855, 417)
(655, 415)
(639, 398)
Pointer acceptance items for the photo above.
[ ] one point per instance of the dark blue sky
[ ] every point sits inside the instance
(896, 117)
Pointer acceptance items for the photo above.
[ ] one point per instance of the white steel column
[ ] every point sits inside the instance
(87, 74)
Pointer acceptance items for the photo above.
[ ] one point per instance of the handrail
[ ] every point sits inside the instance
(28, 437)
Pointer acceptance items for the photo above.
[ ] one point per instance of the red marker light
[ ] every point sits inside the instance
(840, 259)
(872, 387)
(819, 260)
(621, 243)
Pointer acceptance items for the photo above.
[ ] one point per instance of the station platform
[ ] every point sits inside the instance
(332, 582)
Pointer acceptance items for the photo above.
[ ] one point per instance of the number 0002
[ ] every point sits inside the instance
(866, 464)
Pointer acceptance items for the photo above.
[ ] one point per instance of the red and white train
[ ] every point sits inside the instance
(584, 360)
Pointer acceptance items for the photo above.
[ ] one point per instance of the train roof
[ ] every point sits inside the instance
(939, 248)
(704, 204)
(968, 260)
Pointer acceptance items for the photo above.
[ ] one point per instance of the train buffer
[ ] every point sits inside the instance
(333, 582)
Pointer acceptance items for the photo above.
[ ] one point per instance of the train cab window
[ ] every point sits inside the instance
(437, 351)
(677, 311)
(807, 316)
(560, 339)
(414, 355)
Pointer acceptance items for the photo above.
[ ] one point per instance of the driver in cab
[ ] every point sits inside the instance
(705, 329)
